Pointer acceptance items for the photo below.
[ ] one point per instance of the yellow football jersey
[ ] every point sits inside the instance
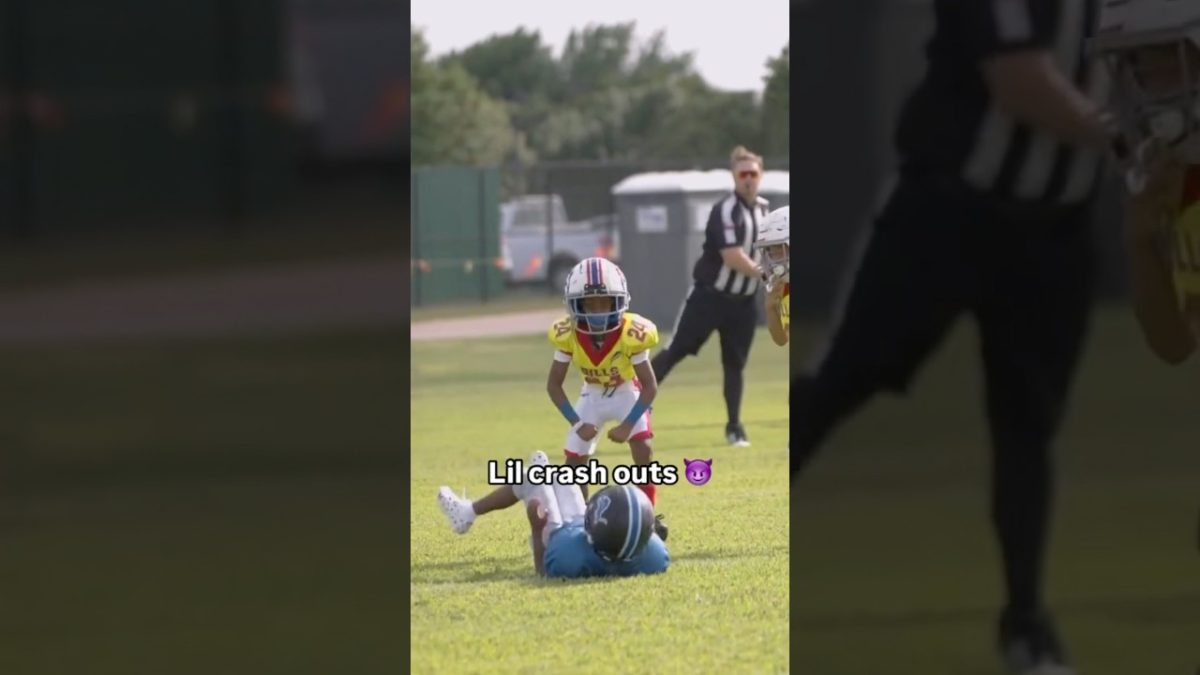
(785, 306)
(1186, 249)
(609, 364)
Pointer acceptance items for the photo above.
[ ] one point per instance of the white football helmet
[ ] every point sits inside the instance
(596, 278)
(1152, 50)
(774, 240)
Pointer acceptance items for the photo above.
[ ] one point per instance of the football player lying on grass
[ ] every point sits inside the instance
(612, 534)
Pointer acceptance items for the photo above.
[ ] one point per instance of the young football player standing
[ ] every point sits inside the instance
(611, 348)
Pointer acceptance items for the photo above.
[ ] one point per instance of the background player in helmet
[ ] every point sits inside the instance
(610, 347)
(611, 535)
(774, 239)
(1153, 51)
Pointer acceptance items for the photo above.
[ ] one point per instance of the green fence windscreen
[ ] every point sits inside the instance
(455, 235)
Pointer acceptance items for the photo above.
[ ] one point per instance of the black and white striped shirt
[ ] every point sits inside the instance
(732, 222)
(951, 126)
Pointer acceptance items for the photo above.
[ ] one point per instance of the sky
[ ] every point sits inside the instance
(728, 58)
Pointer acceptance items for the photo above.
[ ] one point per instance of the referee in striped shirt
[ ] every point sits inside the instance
(1000, 149)
(725, 281)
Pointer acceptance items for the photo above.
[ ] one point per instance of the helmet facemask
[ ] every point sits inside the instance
(593, 320)
(1157, 99)
(1159, 84)
(596, 296)
(776, 258)
(773, 244)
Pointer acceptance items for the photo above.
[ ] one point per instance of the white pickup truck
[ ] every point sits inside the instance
(534, 252)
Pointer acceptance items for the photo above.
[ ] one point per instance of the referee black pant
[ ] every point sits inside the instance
(734, 319)
(938, 251)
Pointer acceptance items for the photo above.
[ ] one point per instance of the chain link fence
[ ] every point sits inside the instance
(550, 215)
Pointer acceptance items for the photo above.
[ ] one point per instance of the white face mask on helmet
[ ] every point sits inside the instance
(1152, 50)
(774, 240)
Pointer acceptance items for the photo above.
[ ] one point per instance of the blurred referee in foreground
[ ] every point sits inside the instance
(722, 297)
(1000, 148)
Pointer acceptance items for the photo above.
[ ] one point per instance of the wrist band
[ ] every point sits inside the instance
(568, 412)
(636, 413)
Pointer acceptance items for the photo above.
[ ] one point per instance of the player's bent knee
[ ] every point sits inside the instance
(536, 513)
(559, 571)
(564, 567)
(655, 559)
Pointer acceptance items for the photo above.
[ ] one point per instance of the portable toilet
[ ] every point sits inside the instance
(661, 218)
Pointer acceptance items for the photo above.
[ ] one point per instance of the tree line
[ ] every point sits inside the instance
(607, 96)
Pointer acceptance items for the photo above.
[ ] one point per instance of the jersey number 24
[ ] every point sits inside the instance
(637, 331)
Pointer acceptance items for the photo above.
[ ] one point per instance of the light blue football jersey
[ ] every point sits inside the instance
(569, 555)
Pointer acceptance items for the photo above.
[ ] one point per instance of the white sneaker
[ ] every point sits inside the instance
(539, 458)
(458, 510)
(735, 435)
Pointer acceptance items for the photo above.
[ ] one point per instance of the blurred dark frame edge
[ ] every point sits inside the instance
(795, 356)
(405, 444)
(832, 76)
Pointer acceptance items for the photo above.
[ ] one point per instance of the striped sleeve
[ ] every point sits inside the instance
(993, 27)
(724, 228)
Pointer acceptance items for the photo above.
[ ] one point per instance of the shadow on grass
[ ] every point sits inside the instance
(500, 568)
(697, 556)
(509, 572)
(1181, 608)
(519, 568)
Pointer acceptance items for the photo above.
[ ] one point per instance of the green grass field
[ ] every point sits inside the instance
(222, 507)
(476, 604)
(895, 569)
(200, 508)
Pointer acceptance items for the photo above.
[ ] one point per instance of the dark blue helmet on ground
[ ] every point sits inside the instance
(619, 521)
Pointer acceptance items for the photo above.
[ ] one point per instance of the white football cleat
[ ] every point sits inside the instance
(539, 458)
(458, 510)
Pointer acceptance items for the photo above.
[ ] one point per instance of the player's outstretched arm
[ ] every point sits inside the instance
(1029, 85)
(1156, 303)
(779, 332)
(735, 257)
